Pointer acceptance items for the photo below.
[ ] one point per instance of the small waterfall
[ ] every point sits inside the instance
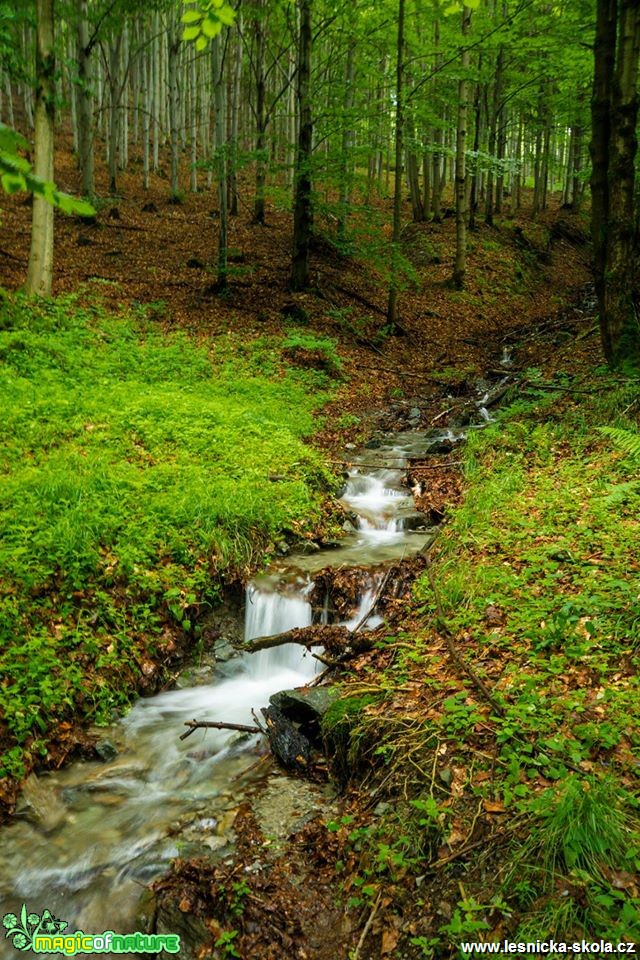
(269, 612)
(365, 602)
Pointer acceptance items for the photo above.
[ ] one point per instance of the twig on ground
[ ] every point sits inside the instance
(367, 927)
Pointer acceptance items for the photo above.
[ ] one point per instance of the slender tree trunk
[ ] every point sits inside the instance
(235, 123)
(347, 138)
(460, 173)
(392, 305)
(221, 161)
(493, 136)
(261, 118)
(114, 109)
(85, 100)
(303, 210)
(40, 269)
(145, 87)
(473, 197)
(173, 41)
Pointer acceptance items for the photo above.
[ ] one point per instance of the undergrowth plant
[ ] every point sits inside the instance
(139, 468)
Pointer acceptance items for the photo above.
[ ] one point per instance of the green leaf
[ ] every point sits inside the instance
(211, 28)
(190, 33)
(201, 42)
(191, 16)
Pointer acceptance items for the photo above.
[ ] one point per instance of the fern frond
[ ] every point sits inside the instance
(628, 441)
(622, 491)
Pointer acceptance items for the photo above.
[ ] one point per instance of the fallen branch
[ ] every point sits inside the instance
(367, 927)
(453, 653)
(317, 635)
(217, 725)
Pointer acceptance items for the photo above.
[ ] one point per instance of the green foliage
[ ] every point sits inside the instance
(16, 175)
(136, 473)
(308, 350)
(584, 828)
(207, 21)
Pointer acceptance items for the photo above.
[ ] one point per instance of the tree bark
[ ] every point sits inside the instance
(392, 305)
(85, 100)
(460, 171)
(303, 207)
(40, 269)
(221, 162)
(614, 147)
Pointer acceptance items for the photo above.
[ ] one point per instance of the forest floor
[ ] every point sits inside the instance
(508, 680)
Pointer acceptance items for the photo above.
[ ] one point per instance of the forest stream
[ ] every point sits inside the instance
(92, 835)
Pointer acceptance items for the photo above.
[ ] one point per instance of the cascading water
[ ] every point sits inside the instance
(97, 833)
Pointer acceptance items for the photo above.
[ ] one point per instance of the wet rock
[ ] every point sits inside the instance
(348, 527)
(192, 931)
(331, 544)
(306, 547)
(282, 548)
(105, 750)
(373, 444)
(40, 804)
(305, 705)
(439, 446)
(224, 650)
(415, 413)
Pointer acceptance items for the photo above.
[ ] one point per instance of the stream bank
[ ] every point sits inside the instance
(491, 728)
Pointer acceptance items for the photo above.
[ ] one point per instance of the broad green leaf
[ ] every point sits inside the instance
(201, 43)
(227, 16)
(190, 33)
(191, 16)
(211, 28)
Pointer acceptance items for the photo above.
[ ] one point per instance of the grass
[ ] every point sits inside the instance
(537, 576)
(138, 470)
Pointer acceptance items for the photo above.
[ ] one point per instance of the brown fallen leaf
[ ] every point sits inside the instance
(494, 806)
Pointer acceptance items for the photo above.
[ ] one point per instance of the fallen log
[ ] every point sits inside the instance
(332, 638)
(291, 748)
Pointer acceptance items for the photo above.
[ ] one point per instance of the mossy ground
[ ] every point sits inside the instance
(139, 468)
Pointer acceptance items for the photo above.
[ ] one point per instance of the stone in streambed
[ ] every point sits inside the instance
(40, 804)
(305, 705)
(105, 750)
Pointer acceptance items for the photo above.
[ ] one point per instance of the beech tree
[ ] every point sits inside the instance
(40, 269)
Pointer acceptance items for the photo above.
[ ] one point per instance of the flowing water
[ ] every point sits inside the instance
(94, 834)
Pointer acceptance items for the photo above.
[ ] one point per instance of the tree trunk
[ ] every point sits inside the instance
(392, 305)
(235, 122)
(261, 117)
(303, 210)
(493, 137)
(85, 100)
(40, 269)
(173, 41)
(347, 137)
(221, 162)
(613, 150)
(460, 172)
